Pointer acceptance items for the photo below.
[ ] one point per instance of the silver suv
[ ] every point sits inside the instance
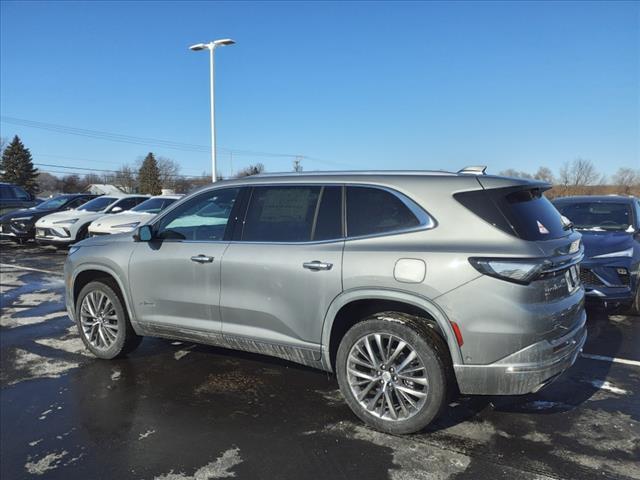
(410, 286)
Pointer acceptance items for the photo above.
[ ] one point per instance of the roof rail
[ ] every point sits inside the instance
(474, 170)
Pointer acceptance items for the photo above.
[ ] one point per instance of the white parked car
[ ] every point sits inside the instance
(127, 221)
(65, 228)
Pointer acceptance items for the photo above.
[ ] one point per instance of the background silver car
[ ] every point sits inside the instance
(408, 285)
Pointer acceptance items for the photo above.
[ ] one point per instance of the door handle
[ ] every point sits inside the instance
(317, 265)
(202, 259)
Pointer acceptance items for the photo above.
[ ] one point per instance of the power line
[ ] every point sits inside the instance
(131, 139)
(101, 170)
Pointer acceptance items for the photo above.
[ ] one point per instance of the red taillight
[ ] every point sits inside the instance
(456, 330)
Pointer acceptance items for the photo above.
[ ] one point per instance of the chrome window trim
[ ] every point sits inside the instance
(427, 221)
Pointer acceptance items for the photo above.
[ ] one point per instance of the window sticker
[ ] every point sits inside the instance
(542, 229)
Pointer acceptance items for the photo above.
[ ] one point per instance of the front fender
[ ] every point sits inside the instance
(423, 303)
(109, 271)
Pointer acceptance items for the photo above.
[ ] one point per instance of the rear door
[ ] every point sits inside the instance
(285, 267)
(175, 278)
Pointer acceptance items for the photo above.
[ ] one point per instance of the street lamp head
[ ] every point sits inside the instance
(223, 41)
(198, 46)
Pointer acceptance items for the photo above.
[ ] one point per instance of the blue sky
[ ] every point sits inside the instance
(350, 85)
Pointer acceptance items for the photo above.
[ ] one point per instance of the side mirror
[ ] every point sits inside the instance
(116, 209)
(144, 234)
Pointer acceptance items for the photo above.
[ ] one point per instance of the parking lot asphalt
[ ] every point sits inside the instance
(178, 411)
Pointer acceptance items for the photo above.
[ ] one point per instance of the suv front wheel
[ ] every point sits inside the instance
(392, 372)
(103, 323)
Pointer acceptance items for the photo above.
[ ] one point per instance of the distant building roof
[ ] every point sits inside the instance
(103, 189)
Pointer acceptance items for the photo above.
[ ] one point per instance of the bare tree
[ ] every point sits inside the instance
(91, 178)
(297, 164)
(250, 170)
(125, 178)
(48, 184)
(579, 173)
(72, 184)
(545, 174)
(169, 171)
(511, 172)
(627, 178)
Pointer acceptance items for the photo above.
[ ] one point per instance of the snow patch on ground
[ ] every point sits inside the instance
(181, 353)
(35, 299)
(414, 460)
(67, 344)
(609, 387)
(115, 374)
(46, 463)
(10, 280)
(333, 397)
(8, 320)
(36, 366)
(144, 435)
(219, 468)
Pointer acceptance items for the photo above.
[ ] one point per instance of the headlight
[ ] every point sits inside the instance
(622, 253)
(126, 225)
(73, 249)
(68, 222)
(512, 270)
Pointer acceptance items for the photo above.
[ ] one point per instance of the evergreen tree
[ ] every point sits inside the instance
(149, 176)
(17, 166)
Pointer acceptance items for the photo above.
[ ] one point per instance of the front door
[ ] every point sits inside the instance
(175, 278)
(280, 276)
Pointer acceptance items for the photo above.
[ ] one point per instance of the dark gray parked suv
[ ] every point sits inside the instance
(406, 284)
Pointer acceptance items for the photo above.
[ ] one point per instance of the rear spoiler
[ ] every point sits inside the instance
(474, 170)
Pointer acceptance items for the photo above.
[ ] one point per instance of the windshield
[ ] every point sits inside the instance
(597, 216)
(153, 205)
(97, 204)
(53, 203)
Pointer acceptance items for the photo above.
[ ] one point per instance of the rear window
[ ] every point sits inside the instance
(597, 215)
(525, 213)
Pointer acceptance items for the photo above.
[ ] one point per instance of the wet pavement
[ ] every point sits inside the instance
(176, 411)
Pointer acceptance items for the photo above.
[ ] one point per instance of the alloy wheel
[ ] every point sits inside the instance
(387, 377)
(99, 320)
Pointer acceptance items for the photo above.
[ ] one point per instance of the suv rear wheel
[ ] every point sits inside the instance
(392, 372)
(103, 323)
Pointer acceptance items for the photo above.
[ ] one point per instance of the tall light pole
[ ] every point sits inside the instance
(211, 46)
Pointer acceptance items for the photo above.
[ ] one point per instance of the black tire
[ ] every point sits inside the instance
(432, 353)
(635, 306)
(126, 338)
(82, 233)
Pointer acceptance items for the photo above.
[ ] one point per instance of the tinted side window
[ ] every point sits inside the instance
(21, 194)
(77, 202)
(373, 211)
(129, 203)
(202, 218)
(328, 224)
(281, 214)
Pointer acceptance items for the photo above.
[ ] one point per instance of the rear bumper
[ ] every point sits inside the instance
(527, 370)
